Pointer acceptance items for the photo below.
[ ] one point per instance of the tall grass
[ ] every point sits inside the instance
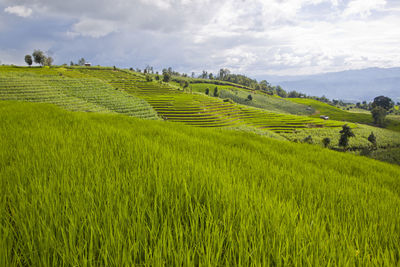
(80, 189)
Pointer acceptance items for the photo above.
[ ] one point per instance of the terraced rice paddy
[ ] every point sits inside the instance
(119, 91)
(70, 90)
(199, 110)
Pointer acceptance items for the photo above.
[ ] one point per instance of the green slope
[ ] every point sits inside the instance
(260, 100)
(200, 110)
(342, 115)
(69, 89)
(84, 189)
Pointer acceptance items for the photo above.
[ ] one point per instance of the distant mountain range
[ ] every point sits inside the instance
(351, 85)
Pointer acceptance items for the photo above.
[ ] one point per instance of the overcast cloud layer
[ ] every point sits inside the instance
(253, 37)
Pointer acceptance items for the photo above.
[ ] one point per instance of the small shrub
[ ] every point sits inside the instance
(372, 139)
(326, 141)
(148, 78)
(345, 134)
(308, 140)
(216, 92)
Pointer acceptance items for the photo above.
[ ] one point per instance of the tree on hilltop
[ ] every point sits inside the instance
(28, 60)
(280, 91)
(48, 61)
(81, 62)
(39, 57)
(166, 77)
(383, 101)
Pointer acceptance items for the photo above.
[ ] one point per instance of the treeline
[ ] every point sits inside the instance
(225, 77)
(38, 57)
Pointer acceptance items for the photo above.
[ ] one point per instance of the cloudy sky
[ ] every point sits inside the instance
(253, 37)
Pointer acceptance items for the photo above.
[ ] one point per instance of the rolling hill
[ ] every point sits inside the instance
(109, 90)
(97, 89)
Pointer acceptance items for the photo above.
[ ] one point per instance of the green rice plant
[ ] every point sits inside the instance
(87, 189)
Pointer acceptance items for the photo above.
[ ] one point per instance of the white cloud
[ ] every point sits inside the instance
(95, 28)
(21, 11)
(252, 37)
(363, 7)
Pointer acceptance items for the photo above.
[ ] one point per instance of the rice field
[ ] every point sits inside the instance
(385, 138)
(69, 89)
(342, 115)
(199, 110)
(91, 189)
(107, 90)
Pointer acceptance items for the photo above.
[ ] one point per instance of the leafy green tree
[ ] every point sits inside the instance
(166, 76)
(249, 97)
(326, 141)
(380, 107)
(383, 101)
(379, 114)
(216, 92)
(280, 91)
(345, 134)
(148, 78)
(293, 94)
(28, 60)
(49, 61)
(39, 57)
(207, 91)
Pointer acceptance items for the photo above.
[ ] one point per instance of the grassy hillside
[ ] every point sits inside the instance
(109, 90)
(385, 138)
(200, 110)
(260, 100)
(84, 189)
(69, 89)
(338, 114)
(333, 112)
